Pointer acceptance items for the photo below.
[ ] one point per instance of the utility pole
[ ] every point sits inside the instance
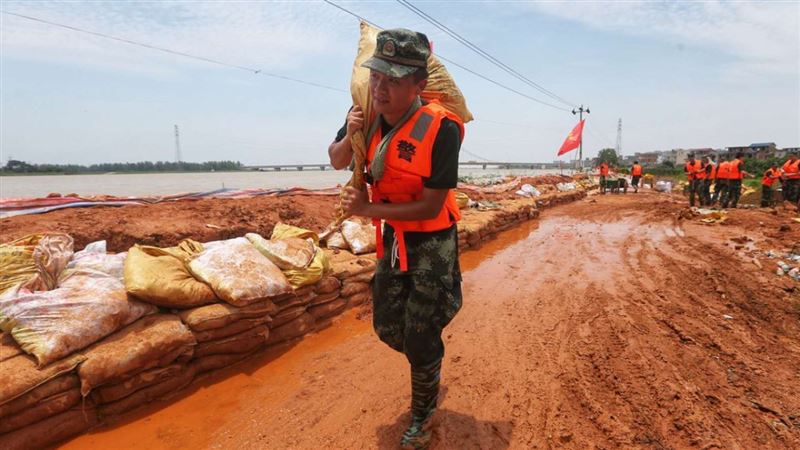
(177, 145)
(580, 112)
(619, 139)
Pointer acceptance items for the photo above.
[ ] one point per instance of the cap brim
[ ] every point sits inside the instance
(391, 69)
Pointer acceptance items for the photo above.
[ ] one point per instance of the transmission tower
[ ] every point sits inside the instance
(619, 138)
(177, 145)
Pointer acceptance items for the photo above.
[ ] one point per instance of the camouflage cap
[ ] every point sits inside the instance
(399, 53)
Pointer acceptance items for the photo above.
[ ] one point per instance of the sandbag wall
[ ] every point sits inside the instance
(159, 354)
(477, 227)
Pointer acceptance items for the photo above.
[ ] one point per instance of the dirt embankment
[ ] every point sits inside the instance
(166, 224)
(611, 322)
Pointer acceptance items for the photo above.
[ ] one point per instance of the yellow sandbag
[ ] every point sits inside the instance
(159, 276)
(319, 267)
(286, 253)
(34, 262)
(462, 200)
(282, 230)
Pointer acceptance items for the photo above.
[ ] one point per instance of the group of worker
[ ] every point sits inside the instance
(727, 175)
(636, 175)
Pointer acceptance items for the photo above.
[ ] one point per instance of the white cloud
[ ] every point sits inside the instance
(763, 36)
(270, 36)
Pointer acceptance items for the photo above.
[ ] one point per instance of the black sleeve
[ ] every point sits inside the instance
(341, 133)
(444, 157)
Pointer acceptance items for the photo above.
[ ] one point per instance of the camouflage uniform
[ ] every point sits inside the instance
(410, 311)
(412, 308)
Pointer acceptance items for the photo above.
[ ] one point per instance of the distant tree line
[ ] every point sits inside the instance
(15, 166)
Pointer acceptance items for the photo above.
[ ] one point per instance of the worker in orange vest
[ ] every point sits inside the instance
(412, 167)
(737, 173)
(711, 174)
(769, 178)
(603, 169)
(791, 179)
(721, 183)
(692, 168)
(636, 175)
(700, 178)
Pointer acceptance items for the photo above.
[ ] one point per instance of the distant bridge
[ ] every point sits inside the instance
(466, 164)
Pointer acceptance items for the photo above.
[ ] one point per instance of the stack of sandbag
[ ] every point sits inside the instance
(89, 303)
(41, 406)
(34, 262)
(292, 319)
(138, 364)
(226, 334)
(160, 276)
(354, 272)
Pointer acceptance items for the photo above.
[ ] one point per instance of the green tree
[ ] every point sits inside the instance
(608, 156)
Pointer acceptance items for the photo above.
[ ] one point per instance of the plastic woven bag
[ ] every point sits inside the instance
(160, 276)
(286, 253)
(34, 262)
(239, 274)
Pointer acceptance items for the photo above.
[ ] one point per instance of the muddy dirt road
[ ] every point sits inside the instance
(608, 323)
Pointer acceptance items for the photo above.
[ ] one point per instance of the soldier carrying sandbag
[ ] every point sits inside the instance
(412, 168)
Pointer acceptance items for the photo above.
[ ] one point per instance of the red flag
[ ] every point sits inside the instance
(573, 140)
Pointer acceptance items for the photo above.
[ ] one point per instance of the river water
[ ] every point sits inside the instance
(171, 183)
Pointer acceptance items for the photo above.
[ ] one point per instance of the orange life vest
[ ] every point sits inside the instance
(636, 170)
(724, 170)
(713, 174)
(769, 177)
(736, 170)
(692, 169)
(604, 169)
(792, 169)
(406, 165)
(701, 172)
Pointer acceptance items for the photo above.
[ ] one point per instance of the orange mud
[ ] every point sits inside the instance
(602, 325)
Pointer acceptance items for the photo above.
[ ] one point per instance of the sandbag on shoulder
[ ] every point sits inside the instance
(137, 347)
(239, 274)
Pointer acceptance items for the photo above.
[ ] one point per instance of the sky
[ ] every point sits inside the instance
(678, 75)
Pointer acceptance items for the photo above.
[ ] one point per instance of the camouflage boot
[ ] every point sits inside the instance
(424, 395)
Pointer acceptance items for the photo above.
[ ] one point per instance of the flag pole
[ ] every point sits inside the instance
(580, 111)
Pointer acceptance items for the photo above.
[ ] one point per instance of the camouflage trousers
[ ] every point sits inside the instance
(412, 308)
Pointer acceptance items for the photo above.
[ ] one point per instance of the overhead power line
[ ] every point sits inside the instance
(484, 77)
(176, 52)
(485, 55)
